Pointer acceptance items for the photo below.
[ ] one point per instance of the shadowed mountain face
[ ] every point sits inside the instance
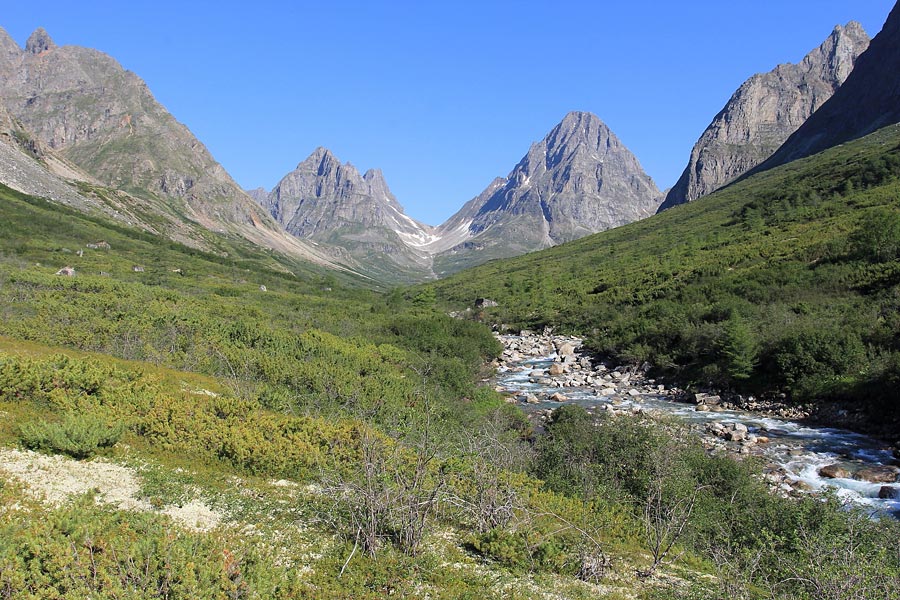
(578, 180)
(764, 112)
(868, 101)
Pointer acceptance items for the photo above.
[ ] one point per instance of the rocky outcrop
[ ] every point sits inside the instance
(868, 101)
(764, 112)
(580, 179)
(331, 203)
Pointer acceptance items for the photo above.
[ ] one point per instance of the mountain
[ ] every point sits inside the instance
(83, 109)
(580, 179)
(868, 101)
(356, 214)
(764, 112)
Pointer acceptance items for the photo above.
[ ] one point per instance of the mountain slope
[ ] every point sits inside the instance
(82, 107)
(793, 271)
(868, 100)
(580, 179)
(333, 204)
(764, 112)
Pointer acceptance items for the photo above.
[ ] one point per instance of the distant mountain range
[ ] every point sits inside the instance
(78, 128)
(578, 180)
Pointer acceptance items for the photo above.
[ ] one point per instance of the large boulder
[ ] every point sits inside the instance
(566, 349)
(878, 474)
(834, 472)
(707, 399)
(889, 492)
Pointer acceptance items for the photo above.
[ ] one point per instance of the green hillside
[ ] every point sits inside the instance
(788, 281)
(229, 429)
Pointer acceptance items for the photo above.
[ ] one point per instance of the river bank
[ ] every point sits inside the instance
(541, 371)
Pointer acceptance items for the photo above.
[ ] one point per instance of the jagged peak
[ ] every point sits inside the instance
(39, 41)
(373, 174)
(852, 33)
(321, 158)
(851, 28)
(578, 118)
(578, 129)
(7, 43)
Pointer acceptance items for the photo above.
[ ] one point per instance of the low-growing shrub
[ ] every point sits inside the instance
(78, 436)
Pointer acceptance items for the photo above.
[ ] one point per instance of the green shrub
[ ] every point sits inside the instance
(78, 436)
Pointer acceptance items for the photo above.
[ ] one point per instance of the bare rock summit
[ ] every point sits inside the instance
(764, 112)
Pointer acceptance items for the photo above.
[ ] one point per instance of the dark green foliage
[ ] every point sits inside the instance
(878, 237)
(79, 436)
(739, 349)
(583, 457)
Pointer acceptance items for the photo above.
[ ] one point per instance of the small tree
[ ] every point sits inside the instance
(668, 505)
(739, 348)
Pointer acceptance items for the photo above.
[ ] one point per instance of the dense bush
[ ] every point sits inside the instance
(77, 435)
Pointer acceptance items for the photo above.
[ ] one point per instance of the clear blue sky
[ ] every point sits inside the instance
(442, 96)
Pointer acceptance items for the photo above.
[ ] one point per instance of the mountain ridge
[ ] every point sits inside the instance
(867, 101)
(764, 111)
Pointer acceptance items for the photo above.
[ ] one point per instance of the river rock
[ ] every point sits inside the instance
(556, 369)
(558, 397)
(610, 391)
(834, 472)
(877, 474)
(566, 349)
(707, 399)
(633, 393)
(736, 436)
(889, 492)
(531, 399)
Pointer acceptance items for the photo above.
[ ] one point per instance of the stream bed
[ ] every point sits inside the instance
(543, 371)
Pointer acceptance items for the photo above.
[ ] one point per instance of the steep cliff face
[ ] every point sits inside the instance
(868, 101)
(331, 203)
(764, 112)
(580, 179)
(86, 111)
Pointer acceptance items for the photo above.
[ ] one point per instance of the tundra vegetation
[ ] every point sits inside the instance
(343, 437)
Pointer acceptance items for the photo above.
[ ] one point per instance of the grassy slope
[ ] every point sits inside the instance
(301, 371)
(776, 268)
(308, 379)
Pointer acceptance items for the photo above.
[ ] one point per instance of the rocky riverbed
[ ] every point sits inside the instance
(542, 371)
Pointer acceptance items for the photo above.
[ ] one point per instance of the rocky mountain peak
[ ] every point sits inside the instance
(764, 112)
(837, 55)
(8, 45)
(333, 204)
(321, 160)
(580, 179)
(867, 101)
(39, 41)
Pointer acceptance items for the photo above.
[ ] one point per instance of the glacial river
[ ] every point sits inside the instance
(799, 450)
